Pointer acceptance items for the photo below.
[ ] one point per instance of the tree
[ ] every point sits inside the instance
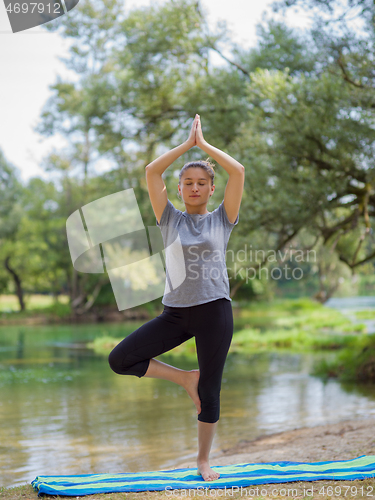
(292, 110)
(10, 216)
(308, 139)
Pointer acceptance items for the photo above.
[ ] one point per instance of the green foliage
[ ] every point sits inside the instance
(278, 47)
(367, 314)
(56, 310)
(105, 296)
(297, 111)
(103, 345)
(355, 363)
(248, 341)
(302, 304)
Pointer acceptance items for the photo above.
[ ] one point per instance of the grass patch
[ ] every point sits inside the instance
(36, 305)
(104, 345)
(9, 303)
(355, 363)
(56, 310)
(298, 313)
(248, 341)
(365, 314)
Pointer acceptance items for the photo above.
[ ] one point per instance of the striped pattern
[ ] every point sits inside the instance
(231, 476)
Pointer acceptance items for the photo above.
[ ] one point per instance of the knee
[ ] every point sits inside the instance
(114, 363)
(209, 395)
(210, 411)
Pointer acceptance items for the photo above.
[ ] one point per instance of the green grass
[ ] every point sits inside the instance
(248, 341)
(57, 310)
(36, 305)
(366, 314)
(9, 303)
(355, 363)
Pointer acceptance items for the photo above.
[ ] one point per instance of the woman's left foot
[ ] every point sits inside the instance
(206, 472)
(191, 387)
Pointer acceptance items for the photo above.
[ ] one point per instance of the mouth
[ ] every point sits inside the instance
(195, 196)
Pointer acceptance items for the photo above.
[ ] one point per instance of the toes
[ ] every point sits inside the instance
(211, 477)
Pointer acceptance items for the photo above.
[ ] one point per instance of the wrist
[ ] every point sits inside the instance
(189, 144)
(202, 144)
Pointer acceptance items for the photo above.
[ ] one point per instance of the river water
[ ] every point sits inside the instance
(63, 411)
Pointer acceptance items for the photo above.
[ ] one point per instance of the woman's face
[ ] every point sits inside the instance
(195, 187)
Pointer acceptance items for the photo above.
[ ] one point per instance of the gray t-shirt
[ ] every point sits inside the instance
(195, 247)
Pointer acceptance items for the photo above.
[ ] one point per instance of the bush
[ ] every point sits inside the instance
(356, 363)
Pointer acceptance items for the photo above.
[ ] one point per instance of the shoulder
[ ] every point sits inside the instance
(170, 212)
(221, 214)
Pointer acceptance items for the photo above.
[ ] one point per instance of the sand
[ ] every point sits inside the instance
(344, 440)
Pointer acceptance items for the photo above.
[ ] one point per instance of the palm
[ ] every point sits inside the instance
(199, 139)
(192, 135)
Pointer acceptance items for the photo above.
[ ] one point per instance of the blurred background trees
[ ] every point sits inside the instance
(297, 111)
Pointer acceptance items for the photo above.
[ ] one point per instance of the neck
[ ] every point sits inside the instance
(196, 211)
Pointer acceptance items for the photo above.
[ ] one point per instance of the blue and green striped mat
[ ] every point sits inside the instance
(231, 476)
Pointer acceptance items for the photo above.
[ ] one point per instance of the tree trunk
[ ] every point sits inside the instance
(17, 282)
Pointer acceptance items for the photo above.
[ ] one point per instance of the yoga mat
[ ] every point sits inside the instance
(245, 474)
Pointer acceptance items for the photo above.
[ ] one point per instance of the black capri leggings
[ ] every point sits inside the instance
(212, 326)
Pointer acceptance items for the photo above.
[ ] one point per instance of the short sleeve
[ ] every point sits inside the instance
(224, 217)
(169, 212)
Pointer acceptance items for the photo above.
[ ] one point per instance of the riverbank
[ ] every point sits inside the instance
(337, 441)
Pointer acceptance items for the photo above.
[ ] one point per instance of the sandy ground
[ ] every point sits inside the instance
(345, 440)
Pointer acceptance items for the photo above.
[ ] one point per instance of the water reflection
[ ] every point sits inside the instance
(63, 411)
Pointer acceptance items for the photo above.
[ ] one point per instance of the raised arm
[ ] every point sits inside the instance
(155, 183)
(236, 171)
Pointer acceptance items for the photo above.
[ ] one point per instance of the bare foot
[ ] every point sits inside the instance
(191, 387)
(206, 472)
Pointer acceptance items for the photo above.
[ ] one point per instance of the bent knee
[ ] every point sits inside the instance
(114, 362)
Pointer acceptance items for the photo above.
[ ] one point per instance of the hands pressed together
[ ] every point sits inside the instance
(196, 136)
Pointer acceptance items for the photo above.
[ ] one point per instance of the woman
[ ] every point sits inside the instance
(198, 305)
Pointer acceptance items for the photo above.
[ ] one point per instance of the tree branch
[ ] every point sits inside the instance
(346, 76)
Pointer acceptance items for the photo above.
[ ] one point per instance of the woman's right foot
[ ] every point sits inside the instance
(191, 387)
(206, 472)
